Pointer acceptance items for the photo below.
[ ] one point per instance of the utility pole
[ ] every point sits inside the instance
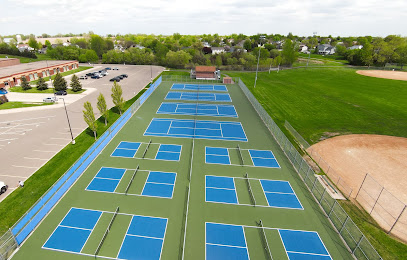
(262, 37)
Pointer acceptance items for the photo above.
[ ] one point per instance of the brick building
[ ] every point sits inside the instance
(205, 72)
(10, 76)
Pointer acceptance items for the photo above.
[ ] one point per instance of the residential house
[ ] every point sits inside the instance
(218, 50)
(303, 48)
(355, 47)
(23, 47)
(326, 49)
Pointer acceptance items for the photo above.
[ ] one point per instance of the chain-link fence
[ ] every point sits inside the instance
(389, 212)
(350, 233)
(8, 245)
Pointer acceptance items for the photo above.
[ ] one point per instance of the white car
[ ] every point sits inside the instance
(3, 187)
(115, 68)
(50, 100)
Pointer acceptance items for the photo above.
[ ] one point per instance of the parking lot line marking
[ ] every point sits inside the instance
(12, 176)
(35, 158)
(35, 118)
(28, 167)
(10, 139)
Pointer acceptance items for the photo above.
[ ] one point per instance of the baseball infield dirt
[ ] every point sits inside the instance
(383, 157)
(385, 74)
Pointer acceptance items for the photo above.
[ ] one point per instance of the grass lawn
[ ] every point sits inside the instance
(27, 60)
(385, 245)
(321, 101)
(10, 105)
(20, 200)
(49, 90)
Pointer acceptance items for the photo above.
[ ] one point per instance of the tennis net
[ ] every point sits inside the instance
(145, 150)
(131, 180)
(264, 240)
(249, 188)
(107, 231)
(240, 155)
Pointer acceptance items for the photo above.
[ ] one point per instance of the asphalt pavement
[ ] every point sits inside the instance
(29, 137)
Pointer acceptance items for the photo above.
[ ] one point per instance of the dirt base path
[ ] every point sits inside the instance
(385, 74)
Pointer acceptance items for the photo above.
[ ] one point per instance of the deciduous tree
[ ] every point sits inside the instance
(89, 117)
(101, 104)
(117, 98)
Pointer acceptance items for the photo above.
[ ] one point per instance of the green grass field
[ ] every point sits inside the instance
(35, 90)
(321, 102)
(27, 60)
(11, 105)
(192, 162)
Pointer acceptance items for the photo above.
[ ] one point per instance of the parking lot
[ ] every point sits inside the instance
(29, 137)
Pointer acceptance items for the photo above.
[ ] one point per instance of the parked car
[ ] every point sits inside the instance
(89, 74)
(61, 93)
(83, 77)
(50, 100)
(96, 76)
(3, 187)
(115, 68)
(108, 68)
(124, 76)
(3, 91)
(115, 79)
(104, 73)
(120, 77)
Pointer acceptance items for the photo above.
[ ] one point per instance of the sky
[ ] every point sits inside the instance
(300, 17)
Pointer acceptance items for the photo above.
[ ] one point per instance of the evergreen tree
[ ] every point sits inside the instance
(103, 107)
(118, 100)
(25, 85)
(59, 82)
(89, 117)
(42, 85)
(75, 84)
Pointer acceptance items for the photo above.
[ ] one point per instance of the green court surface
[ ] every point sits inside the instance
(148, 187)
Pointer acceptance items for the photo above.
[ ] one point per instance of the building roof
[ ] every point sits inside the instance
(205, 69)
(27, 67)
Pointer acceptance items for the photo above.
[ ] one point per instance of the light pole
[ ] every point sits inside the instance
(258, 60)
(151, 70)
(69, 124)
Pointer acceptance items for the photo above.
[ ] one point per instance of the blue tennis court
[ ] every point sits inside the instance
(279, 194)
(201, 96)
(178, 86)
(144, 238)
(159, 184)
(225, 242)
(303, 245)
(73, 231)
(126, 149)
(106, 179)
(229, 131)
(217, 155)
(220, 190)
(263, 158)
(169, 108)
(169, 152)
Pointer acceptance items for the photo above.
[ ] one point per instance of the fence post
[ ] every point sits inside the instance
(322, 196)
(357, 245)
(397, 219)
(378, 197)
(344, 223)
(332, 209)
(313, 185)
(361, 185)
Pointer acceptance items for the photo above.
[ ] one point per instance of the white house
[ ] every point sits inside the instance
(355, 47)
(218, 50)
(326, 49)
(303, 48)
